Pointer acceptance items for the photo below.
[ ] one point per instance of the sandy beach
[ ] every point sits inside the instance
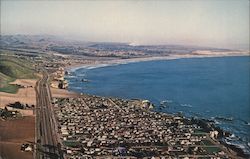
(196, 54)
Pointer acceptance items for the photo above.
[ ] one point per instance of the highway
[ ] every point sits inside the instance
(47, 146)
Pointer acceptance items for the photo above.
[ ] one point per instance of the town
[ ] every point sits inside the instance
(99, 127)
(124, 79)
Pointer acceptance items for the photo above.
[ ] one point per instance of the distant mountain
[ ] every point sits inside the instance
(45, 43)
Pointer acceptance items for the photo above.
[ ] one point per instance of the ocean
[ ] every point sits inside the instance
(216, 88)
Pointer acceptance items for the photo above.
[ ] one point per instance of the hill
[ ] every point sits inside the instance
(12, 68)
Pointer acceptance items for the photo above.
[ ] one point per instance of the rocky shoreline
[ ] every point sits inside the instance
(209, 125)
(103, 104)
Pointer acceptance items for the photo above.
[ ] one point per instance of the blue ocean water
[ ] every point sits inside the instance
(216, 88)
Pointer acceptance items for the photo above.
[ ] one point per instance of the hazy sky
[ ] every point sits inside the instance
(220, 23)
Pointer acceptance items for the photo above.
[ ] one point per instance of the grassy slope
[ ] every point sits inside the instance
(12, 68)
(4, 86)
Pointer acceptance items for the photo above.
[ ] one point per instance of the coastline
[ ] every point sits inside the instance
(205, 124)
(98, 64)
(240, 151)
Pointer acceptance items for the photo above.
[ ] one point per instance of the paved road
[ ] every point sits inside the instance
(46, 136)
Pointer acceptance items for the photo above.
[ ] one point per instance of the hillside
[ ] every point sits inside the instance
(12, 68)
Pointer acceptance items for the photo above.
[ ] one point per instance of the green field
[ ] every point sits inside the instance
(11, 68)
(207, 142)
(71, 143)
(212, 150)
(199, 132)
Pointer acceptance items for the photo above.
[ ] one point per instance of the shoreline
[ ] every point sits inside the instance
(239, 150)
(99, 64)
(206, 125)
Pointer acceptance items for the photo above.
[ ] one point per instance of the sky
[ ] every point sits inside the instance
(219, 23)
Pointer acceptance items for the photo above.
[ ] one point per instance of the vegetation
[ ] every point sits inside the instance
(5, 113)
(11, 68)
(212, 150)
(4, 86)
(207, 142)
(71, 143)
(16, 105)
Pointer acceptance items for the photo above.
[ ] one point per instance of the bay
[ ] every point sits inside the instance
(213, 88)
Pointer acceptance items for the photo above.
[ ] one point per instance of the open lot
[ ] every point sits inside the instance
(23, 95)
(13, 134)
(62, 93)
